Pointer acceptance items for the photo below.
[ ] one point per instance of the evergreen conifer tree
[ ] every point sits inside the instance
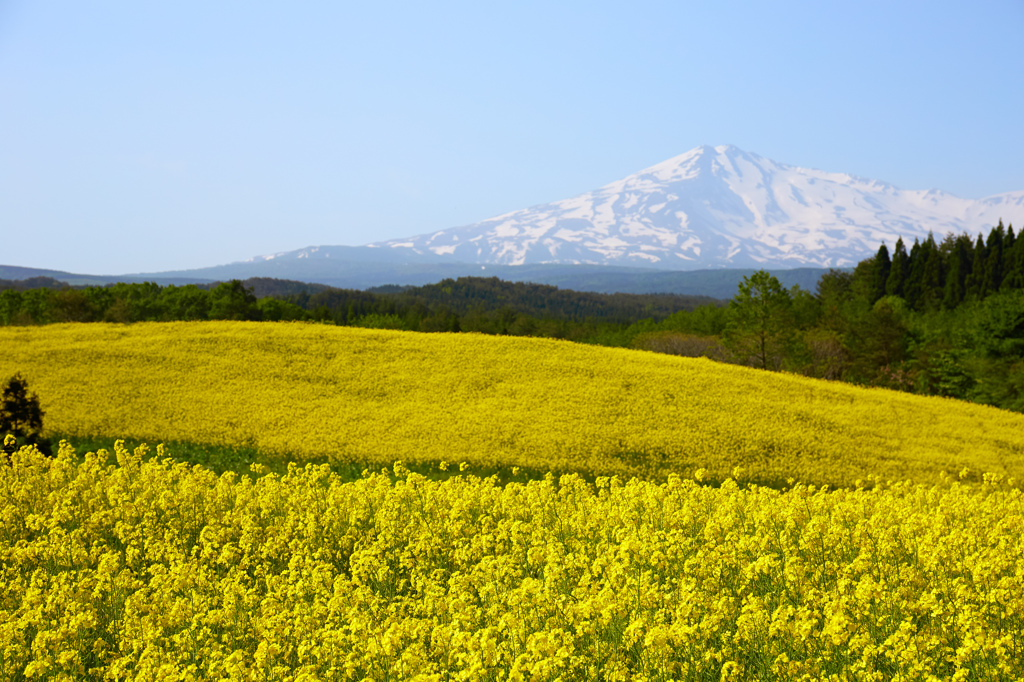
(1013, 261)
(898, 271)
(994, 259)
(934, 274)
(958, 265)
(882, 266)
(913, 286)
(975, 283)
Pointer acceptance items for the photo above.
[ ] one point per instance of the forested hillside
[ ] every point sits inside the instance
(938, 319)
(486, 305)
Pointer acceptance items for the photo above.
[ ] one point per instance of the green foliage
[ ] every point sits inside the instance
(1013, 264)
(21, 416)
(377, 321)
(233, 301)
(836, 299)
(761, 330)
(678, 343)
(10, 307)
(899, 271)
(975, 281)
(827, 356)
(880, 269)
(946, 326)
(958, 267)
(996, 325)
(993, 275)
(472, 304)
(944, 371)
(276, 310)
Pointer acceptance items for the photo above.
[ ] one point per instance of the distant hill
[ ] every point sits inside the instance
(350, 274)
(542, 301)
(17, 273)
(261, 286)
(32, 283)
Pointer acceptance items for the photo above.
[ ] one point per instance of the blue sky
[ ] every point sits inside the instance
(145, 136)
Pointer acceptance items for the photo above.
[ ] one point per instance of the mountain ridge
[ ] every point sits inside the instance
(716, 207)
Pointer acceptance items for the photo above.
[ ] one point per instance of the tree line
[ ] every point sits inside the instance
(486, 305)
(942, 276)
(938, 319)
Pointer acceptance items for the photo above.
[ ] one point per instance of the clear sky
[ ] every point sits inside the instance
(145, 136)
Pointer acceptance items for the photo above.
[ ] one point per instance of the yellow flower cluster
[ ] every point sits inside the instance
(149, 570)
(306, 391)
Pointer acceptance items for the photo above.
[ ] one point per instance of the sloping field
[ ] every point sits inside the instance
(302, 391)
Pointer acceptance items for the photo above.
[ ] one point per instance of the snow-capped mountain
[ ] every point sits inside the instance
(711, 207)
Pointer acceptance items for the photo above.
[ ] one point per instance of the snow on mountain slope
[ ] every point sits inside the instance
(715, 207)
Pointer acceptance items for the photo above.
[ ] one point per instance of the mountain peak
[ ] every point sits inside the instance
(716, 207)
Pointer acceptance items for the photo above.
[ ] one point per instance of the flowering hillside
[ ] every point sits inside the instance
(148, 570)
(303, 391)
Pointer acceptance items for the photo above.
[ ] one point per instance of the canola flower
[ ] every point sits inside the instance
(307, 391)
(120, 568)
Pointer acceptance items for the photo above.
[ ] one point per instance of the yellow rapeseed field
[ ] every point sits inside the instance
(148, 570)
(306, 391)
